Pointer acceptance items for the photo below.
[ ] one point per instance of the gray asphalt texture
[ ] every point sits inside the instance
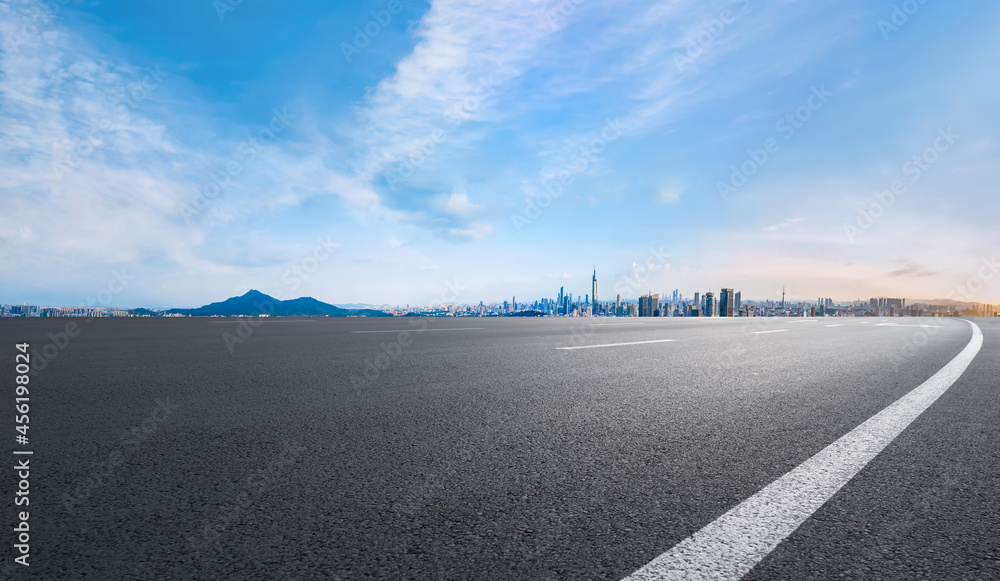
(488, 453)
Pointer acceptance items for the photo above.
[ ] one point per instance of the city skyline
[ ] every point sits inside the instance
(395, 150)
(727, 302)
(633, 288)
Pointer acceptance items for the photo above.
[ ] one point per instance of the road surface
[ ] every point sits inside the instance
(510, 448)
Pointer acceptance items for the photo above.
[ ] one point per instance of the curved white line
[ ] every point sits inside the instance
(731, 545)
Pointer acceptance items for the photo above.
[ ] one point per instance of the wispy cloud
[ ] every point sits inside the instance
(786, 224)
(668, 196)
(913, 270)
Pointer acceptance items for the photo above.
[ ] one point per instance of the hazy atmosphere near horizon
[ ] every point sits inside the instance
(490, 290)
(837, 149)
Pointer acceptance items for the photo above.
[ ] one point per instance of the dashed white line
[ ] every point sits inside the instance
(806, 321)
(775, 331)
(898, 325)
(421, 330)
(836, 325)
(617, 344)
(734, 543)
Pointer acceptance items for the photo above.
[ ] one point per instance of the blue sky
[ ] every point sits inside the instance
(199, 149)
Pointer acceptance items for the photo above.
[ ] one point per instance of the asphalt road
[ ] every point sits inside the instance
(483, 449)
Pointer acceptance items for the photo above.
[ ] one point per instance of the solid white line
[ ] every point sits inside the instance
(734, 543)
(806, 321)
(837, 325)
(421, 330)
(775, 331)
(617, 344)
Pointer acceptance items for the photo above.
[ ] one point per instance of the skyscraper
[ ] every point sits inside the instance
(738, 303)
(649, 305)
(593, 291)
(710, 308)
(726, 299)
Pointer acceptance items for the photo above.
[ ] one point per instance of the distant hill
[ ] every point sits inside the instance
(942, 303)
(528, 313)
(256, 303)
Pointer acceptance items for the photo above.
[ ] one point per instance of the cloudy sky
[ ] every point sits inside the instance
(395, 152)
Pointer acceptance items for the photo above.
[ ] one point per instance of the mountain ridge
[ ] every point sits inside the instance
(254, 303)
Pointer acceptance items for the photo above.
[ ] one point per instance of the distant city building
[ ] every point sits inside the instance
(710, 307)
(726, 300)
(649, 305)
(593, 291)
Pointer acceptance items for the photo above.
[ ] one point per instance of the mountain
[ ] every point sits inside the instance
(255, 303)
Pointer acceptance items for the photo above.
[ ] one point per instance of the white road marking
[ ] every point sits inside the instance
(898, 325)
(416, 330)
(806, 321)
(613, 324)
(734, 543)
(775, 331)
(617, 344)
(837, 325)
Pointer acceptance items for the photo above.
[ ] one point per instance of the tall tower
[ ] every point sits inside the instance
(726, 300)
(593, 291)
(782, 296)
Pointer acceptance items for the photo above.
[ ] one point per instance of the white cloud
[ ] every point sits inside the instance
(457, 204)
(786, 224)
(474, 231)
(467, 52)
(668, 196)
